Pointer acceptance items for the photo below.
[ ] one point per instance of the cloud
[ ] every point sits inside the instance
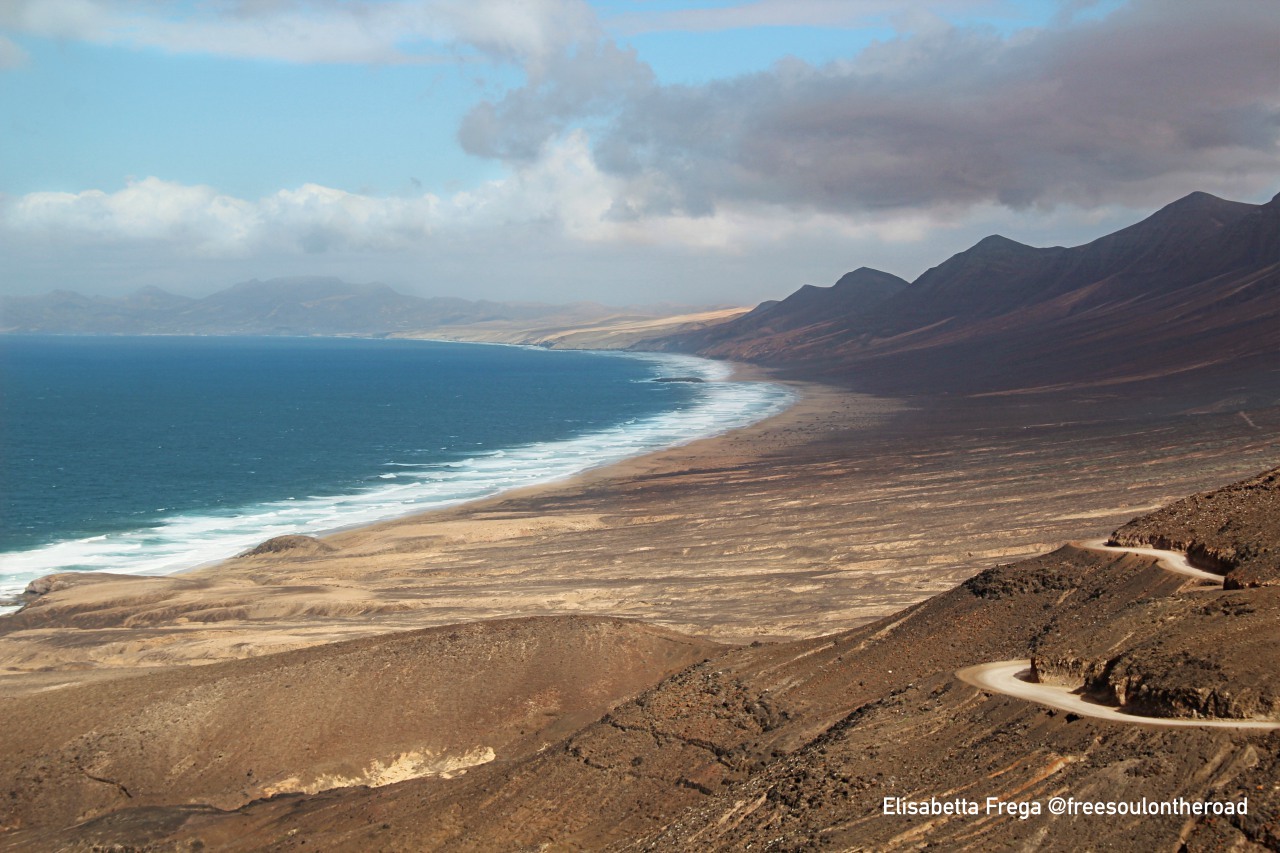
(1152, 101)
(528, 31)
(789, 13)
(316, 31)
(561, 194)
(11, 55)
(147, 210)
(565, 188)
(912, 140)
(594, 81)
(200, 221)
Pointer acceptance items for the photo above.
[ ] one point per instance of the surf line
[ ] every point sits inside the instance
(1011, 677)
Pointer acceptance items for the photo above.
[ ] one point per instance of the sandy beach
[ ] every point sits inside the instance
(462, 680)
(838, 511)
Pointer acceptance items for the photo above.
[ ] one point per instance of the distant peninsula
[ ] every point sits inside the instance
(327, 306)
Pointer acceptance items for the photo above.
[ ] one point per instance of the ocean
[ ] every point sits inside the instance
(150, 455)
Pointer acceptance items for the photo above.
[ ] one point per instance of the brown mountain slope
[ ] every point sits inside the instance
(797, 745)
(366, 712)
(854, 294)
(998, 276)
(1194, 287)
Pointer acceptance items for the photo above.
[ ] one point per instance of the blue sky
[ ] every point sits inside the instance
(646, 150)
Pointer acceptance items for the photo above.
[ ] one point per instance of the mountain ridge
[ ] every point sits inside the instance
(1195, 284)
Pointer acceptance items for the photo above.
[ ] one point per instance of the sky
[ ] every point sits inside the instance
(622, 151)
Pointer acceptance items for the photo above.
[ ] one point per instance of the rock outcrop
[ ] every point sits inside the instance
(293, 543)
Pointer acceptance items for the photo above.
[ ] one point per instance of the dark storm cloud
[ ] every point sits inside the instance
(1128, 109)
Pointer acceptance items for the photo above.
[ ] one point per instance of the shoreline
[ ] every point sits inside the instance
(842, 509)
(710, 371)
(609, 470)
(813, 407)
(739, 373)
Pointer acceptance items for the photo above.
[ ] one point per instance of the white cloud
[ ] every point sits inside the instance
(551, 230)
(562, 192)
(915, 142)
(316, 31)
(531, 31)
(146, 210)
(200, 221)
(791, 13)
(317, 219)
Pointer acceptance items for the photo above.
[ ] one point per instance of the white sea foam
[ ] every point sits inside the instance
(185, 541)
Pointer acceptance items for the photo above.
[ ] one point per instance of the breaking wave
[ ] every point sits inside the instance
(183, 541)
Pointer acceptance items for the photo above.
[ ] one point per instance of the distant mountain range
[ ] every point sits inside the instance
(1193, 289)
(1195, 286)
(282, 306)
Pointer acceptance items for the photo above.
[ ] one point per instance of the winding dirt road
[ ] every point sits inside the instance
(1010, 677)
(1170, 561)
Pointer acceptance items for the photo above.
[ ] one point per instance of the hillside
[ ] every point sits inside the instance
(792, 745)
(416, 704)
(1194, 288)
(1233, 531)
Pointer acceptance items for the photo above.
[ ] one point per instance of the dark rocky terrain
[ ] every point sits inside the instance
(1192, 289)
(786, 746)
(1205, 657)
(1232, 531)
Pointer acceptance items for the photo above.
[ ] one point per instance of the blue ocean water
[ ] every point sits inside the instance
(154, 454)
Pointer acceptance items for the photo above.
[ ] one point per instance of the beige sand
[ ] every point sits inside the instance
(842, 509)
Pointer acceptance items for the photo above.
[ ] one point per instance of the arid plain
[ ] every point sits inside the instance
(293, 694)
(841, 510)
(755, 639)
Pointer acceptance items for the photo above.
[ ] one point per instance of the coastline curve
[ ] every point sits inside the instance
(722, 401)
